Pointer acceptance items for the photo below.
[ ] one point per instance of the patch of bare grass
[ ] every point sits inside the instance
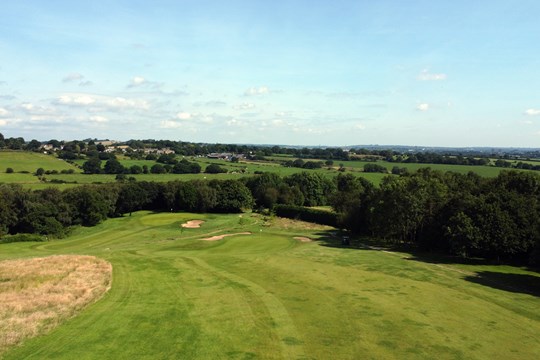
(302, 239)
(220, 237)
(285, 223)
(37, 294)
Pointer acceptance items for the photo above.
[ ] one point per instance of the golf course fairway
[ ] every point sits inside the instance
(262, 294)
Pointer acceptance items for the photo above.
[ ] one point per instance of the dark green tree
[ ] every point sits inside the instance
(92, 166)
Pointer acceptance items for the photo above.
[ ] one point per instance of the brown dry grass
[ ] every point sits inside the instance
(302, 239)
(37, 294)
(192, 224)
(220, 237)
(285, 223)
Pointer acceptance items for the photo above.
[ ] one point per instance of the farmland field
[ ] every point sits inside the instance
(28, 163)
(269, 295)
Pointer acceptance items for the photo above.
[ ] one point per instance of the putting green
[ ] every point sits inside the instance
(267, 295)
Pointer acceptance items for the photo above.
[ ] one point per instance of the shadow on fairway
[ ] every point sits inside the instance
(517, 283)
(334, 239)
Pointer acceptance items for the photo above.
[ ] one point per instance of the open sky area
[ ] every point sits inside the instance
(434, 73)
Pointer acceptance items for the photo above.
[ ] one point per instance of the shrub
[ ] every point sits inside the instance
(21, 238)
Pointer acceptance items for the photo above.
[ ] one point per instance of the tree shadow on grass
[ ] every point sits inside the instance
(517, 283)
(334, 239)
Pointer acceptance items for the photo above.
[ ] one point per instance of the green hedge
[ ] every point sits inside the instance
(306, 214)
(21, 238)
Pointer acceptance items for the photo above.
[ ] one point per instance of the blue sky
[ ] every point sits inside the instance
(434, 73)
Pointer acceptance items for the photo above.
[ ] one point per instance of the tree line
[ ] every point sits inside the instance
(460, 214)
(464, 215)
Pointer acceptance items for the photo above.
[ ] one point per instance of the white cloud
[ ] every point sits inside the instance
(3, 112)
(72, 77)
(75, 100)
(183, 116)
(532, 112)
(27, 106)
(235, 122)
(170, 124)
(137, 81)
(253, 91)
(360, 126)
(86, 83)
(100, 103)
(98, 119)
(278, 122)
(423, 107)
(3, 122)
(212, 103)
(425, 75)
(245, 106)
(123, 103)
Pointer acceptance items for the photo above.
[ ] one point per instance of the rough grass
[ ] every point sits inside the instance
(37, 294)
(270, 296)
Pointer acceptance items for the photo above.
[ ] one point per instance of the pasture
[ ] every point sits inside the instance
(28, 163)
(267, 295)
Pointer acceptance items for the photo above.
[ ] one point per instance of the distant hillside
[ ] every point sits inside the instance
(31, 161)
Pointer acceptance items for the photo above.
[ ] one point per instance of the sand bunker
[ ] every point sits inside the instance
(192, 224)
(219, 237)
(302, 239)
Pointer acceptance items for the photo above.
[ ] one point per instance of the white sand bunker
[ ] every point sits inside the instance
(302, 239)
(192, 224)
(220, 237)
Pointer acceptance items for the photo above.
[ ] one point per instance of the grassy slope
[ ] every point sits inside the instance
(31, 161)
(28, 161)
(267, 296)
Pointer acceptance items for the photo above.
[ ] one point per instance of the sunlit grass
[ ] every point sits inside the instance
(268, 295)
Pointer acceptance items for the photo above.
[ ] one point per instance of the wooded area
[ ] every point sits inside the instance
(464, 215)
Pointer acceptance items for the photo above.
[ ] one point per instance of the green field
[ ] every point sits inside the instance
(30, 162)
(267, 295)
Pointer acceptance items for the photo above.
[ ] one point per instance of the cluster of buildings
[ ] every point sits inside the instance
(112, 146)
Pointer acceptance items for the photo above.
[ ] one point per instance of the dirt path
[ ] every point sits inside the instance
(220, 237)
(302, 239)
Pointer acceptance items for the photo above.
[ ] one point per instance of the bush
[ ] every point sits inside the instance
(21, 238)
(9, 170)
(372, 168)
(214, 169)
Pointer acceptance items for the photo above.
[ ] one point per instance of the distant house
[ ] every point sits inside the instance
(225, 156)
(158, 151)
(105, 142)
(122, 148)
(49, 148)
